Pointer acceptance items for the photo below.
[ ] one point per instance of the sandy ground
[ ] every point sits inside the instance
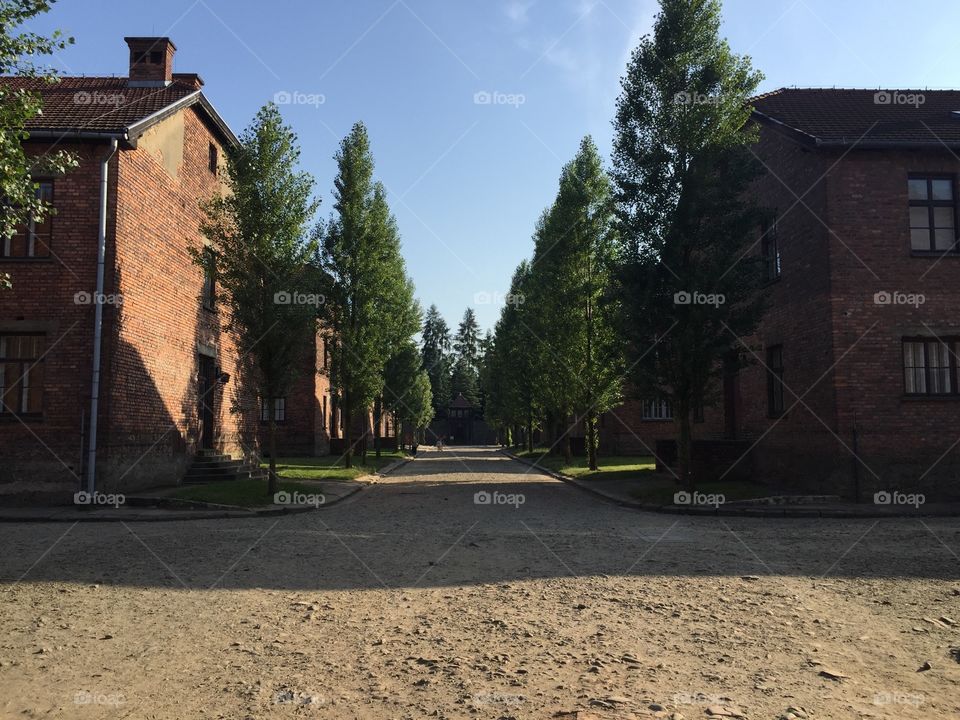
(410, 600)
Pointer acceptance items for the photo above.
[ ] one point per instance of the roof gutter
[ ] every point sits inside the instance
(98, 300)
(78, 134)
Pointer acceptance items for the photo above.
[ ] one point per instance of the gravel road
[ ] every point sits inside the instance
(467, 585)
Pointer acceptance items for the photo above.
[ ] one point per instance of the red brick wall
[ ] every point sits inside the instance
(305, 430)
(798, 449)
(900, 438)
(44, 454)
(151, 406)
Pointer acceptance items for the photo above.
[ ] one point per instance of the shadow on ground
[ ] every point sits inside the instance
(469, 517)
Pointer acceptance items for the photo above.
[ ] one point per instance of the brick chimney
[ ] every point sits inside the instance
(151, 61)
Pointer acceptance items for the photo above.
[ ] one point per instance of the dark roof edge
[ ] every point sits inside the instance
(141, 126)
(813, 141)
(784, 129)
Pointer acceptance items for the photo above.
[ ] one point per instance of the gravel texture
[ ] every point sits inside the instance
(412, 600)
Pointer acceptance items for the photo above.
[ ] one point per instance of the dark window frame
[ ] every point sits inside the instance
(654, 405)
(29, 229)
(208, 292)
(953, 346)
(279, 411)
(213, 158)
(776, 406)
(770, 240)
(26, 364)
(931, 204)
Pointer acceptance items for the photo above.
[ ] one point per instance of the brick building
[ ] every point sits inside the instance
(854, 378)
(149, 147)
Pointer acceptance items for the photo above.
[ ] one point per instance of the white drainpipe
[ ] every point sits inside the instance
(98, 321)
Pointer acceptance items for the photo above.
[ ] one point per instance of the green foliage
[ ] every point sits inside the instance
(406, 390)
(260, 253)
(435, 351)
(18, 51)
(682, 166)
(580, 361)
(370, 307)
(512, 400)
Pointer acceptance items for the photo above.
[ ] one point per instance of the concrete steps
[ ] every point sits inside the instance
(209, 466)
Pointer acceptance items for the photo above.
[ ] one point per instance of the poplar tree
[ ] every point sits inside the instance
(261, 256)
(682, 167)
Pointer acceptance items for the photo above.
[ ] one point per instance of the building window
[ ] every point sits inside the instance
(657, 410)
(279, 412)
(930, 366)
(775, 380)
(21, 374)
(770, 249)
(32, 240)
(212, 158)
(208, 294)
(933, 214)
(698, 411)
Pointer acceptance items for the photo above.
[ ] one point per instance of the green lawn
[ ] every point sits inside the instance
(611, 468)
(330, 467)
(638, 477)
(295, 474)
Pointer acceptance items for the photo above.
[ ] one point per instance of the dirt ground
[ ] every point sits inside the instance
(417, 599)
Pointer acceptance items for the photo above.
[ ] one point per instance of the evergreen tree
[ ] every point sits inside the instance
(435, 350)
(681, 168)
(368, 287)
(466, 343)
(582, 362)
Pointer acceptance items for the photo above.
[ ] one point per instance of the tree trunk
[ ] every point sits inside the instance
(377, 419)
(530, 433)
(684, 443)
(273, 484)
(346, 412)
(592, 440)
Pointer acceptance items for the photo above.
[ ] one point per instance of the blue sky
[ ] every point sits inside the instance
(468, 179)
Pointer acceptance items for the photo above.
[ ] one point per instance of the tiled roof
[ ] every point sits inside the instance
(98, 104)
(864, 117)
